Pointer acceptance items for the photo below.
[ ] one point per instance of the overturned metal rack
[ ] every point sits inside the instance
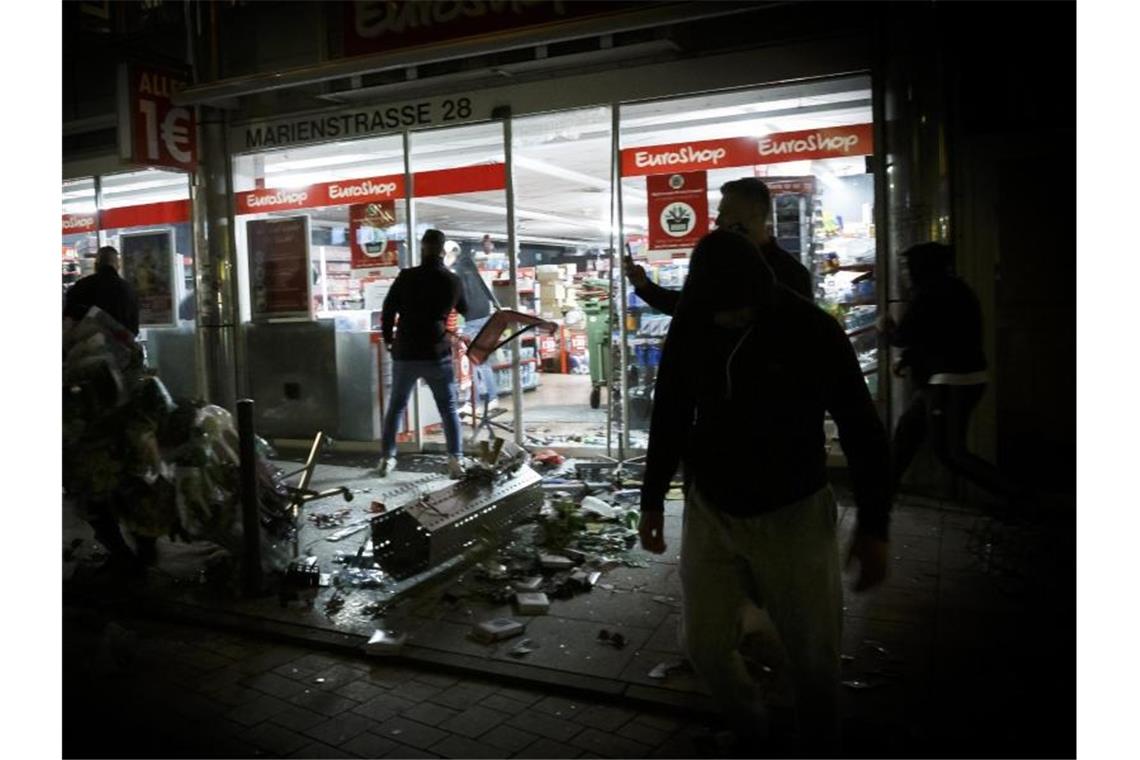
(448, 522)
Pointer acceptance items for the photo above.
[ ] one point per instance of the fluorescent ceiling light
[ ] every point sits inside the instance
(549, 169)
(312, 163)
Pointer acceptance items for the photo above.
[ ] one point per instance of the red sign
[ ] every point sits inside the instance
(279, 270)
(368, 225)
(690, 156)
(811, 144)
(74, 224)
(384, 26)
(154, 131)
(149, 214)
(464, 179)
(805, 145)
(678, 210)
(145, 215)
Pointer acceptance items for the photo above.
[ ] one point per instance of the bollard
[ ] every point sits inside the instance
(250, 509)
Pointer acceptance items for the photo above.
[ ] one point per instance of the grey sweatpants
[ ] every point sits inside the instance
(786, 562)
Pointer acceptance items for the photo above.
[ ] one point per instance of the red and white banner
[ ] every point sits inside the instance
(152, 130)
(678, 209)
(145, 215)
(368, 225)
(687, 157)
(74, 224)
(340, 192)
(804, 145)
(812, 144)
(464, 179)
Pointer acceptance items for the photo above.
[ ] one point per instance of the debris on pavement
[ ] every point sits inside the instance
(329, 519)
(532, 603)
(386, 642)
(662, 670)
(860, 684)
(615, 640)
(523, 648)
(490, 631)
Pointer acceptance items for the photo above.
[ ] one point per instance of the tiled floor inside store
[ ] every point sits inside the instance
(967, 650)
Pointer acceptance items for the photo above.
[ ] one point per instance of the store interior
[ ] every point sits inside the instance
(565, 212)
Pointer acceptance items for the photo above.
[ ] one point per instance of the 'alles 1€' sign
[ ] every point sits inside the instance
(152, 130)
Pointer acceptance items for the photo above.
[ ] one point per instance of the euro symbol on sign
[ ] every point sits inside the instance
(176, 133)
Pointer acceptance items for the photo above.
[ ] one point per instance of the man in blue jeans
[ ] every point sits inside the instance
(421, 299)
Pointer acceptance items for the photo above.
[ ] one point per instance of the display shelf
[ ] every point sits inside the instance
(859, 302)
(871, 370)
(507, 365)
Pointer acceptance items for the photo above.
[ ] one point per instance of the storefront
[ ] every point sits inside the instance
(530, 190)
(146, 216)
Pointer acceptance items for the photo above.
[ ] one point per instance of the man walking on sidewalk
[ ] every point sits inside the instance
(421, 299)
(747, 373)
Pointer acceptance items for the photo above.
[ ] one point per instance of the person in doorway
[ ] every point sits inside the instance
(941, 340)
(421, 299)
(748, 371)
(745, 206)
(480, 304)
(105, 289)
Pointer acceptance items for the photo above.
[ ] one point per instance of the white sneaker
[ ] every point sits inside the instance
(387, 465)
(455, 468)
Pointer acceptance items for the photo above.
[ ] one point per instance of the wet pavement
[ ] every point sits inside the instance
(968, 649)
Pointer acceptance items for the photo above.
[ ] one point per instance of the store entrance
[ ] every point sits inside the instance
(561, 168)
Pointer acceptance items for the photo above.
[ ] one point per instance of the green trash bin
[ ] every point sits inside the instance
(597, 346)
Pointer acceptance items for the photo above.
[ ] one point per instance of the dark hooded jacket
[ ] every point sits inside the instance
(744, 407)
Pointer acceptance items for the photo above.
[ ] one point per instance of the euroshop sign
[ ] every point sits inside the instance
(372, 121)
(804, 145)
(462, 179)
(152, 130)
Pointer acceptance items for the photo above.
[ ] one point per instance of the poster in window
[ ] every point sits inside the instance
(369, 228)
(678, 210)
(280, 277)
(148, 266)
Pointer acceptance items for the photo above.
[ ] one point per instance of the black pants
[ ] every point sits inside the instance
(108, 533)
(943, 412)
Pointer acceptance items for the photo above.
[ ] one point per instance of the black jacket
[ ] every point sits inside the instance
(422, 297)
(107, 290)
(475, 290)
(941, 330)
(787, 270)
(745, 410)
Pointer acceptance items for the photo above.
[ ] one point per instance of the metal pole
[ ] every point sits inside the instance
(618, 309)
(250, 521)
(413, 260)
(615, 242)
(513, 263)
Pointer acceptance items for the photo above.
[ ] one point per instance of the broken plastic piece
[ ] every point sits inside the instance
(385, 642)
(523, 648)
(532, 603)
(534, 583)
(490, 631)
(555, 562)
(663, 669)
(377, 507)
(596, 506)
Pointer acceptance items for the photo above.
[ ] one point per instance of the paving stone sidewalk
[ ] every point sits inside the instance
(142, 688)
